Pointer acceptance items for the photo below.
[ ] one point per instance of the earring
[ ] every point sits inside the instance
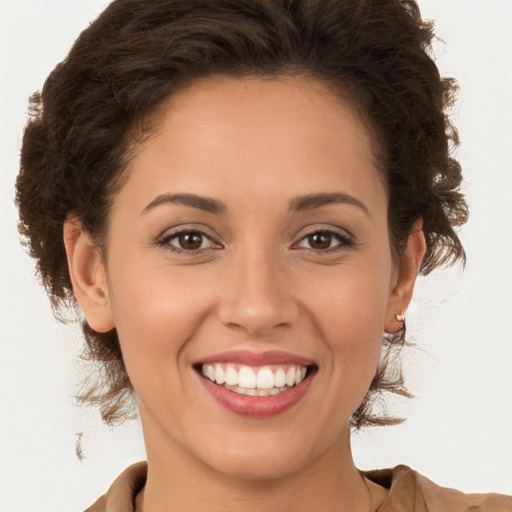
(400, 317)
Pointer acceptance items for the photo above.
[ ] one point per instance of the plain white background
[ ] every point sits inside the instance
(460, 424)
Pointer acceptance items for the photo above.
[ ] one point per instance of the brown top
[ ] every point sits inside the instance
(408, 492)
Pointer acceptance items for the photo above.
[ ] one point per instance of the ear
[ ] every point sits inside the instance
(88, 276)
(410, 262)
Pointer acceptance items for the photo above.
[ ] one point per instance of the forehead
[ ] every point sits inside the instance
(256, 134)
(256, 106)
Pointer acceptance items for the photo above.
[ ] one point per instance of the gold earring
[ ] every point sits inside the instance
(400, 317)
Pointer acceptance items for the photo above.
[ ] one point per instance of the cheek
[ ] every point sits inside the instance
(156, 312)
(349, 311)
(351, 301)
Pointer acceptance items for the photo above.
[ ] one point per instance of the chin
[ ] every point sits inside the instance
(263, 456)
(254, 466)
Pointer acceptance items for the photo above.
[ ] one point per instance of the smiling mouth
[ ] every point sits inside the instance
(261, 381)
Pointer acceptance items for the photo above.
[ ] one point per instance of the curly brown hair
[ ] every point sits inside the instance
(95, 106)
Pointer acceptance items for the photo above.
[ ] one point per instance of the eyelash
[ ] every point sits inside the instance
(345, 241)
(166, 241)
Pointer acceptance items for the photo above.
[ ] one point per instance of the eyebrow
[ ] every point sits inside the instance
(202, 203)
(302, 203)
(311, 201)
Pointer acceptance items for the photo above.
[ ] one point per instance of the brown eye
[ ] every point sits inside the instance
(320, 241)
(323, 241)
(189, 241)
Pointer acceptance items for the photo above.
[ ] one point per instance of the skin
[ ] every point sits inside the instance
(258, 282)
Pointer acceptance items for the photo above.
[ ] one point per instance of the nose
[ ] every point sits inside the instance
(257, 295)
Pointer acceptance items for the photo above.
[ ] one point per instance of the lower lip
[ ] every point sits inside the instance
(257, 406)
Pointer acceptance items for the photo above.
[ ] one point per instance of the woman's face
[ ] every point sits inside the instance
(250, 243)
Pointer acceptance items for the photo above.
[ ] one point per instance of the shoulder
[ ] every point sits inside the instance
(123, 492)
(409, 491)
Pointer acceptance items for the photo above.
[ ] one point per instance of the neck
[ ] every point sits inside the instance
(178, 481)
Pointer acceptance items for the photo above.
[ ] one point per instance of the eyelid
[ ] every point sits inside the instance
(347, 240)
(171, 233)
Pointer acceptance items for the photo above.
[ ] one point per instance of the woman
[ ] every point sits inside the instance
(246, 193)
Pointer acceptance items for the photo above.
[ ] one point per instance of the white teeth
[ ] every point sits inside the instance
(290, 376)
(231, 376)
(280, 378)
(220, 376)
(241, 391)
(266, 379)
(246, 377)
(257, 392)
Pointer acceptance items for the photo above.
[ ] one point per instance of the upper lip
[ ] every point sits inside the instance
(250, 358)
